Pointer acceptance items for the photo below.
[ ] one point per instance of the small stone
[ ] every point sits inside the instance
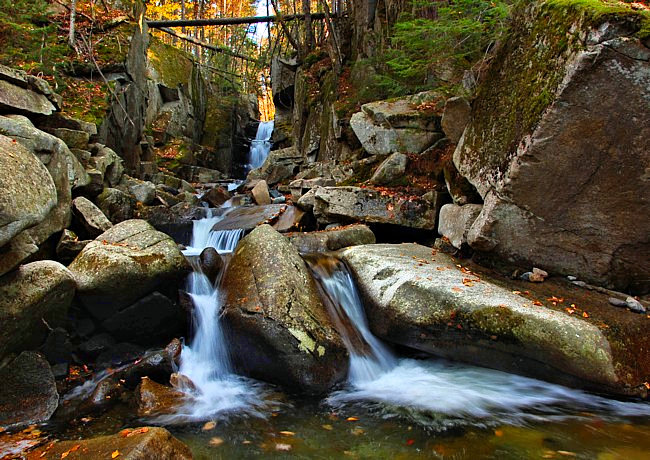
(618, 302)
(537, 276)
(526, 276)
(279, 200)
(571, 278)
(634, 305)
(579, 283)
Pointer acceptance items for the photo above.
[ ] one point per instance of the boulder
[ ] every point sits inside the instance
(74, 139)
(28, 393)
(123, 264)
(216, 196)
(558, 146)
(280, 331)
(156, 399)
(390, 170)
(142, 443)
(144, 192)
(176, 221)
(34, 292)
(455, 117)
(69, 246)
(249, 217)
(308, 200)
(278, 166)
(261, 193)
(201, 175)
(150, 320)
(428, 302)
(211, 264)
(29, 193)
(332, 240)
(108, 163)
(116, 205)
(455, 221)
(22, 100)
(89, 217)
(355, 204)
(301, 186)
(406, 125)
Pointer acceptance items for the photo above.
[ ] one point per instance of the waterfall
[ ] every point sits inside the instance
(213, 389)
(434, 388)
(261, 145)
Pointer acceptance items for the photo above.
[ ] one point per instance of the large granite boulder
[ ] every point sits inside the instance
(406, 125)
(278, 166)
(249, 217)
(28, 393)
(390, 170)
(559, 145)
(22, 93)
(124, 264)
(355, 204)
(143, 443)
(34, 292)
(333, 239)
(425, 300)
(117, 205)
(279, 328)
(28, 191)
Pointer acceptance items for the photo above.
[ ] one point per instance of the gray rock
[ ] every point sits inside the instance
(350, 204)
(22, 100)
(34, 292)
(28, 393)
(211, 264)
(57, 348)
(399, 125)
(558, 174)
(430, 304)
(261, 193)
(29, 193)
(455, 117)
(332, 239)
(116, 205)
(144, 192)
(278, 166)
(301, 186)
(108, 163)
(90, 217)
(455, 221)
(635, 305)
(216, 196)
(280, 331)
(391, 169)
(617, 302)
(249, 217)
(308, 200)
(69, 246)
(74, 139)
(123, 264)
(150, 320)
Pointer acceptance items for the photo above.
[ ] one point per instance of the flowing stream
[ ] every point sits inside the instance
(215, 389)
(261, 145)
(447, 394)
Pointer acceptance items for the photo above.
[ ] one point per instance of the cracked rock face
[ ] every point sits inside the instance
(572, 193)
(279, 328)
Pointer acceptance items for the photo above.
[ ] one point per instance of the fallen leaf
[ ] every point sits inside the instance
(216, 441)
(537, 303)
(566, 453)
(498, 433)
(209, 426)
(330, 427)
(410, 442)
(287, 433)
(283, 447)
(115, 454)
(352, 419)
(357, 431)
(456, 289)
(585, 314)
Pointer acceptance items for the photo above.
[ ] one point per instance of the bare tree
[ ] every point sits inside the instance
(73, 16)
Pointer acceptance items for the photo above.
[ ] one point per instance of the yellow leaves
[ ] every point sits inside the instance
(647, 385)
(287, 433)
(115, 454)
(329, 427)
(352, 419)
(209, 426)
(72, 449)
(216, 441)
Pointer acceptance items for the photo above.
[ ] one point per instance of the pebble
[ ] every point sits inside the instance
(579, 283)
(571, 278)
(634, 305)
(536, 276)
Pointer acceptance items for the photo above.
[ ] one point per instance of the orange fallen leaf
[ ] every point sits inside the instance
(216, 441)
(287, 433)
(538, 303)
(498, 433)
(410, 442)
(585, 314)
(209, 426)
(352, 419)
(115, 454)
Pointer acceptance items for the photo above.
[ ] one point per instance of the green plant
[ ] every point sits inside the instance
(454, 36)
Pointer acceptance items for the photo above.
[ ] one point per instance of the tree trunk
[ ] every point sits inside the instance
(309, 38)
(73, 16)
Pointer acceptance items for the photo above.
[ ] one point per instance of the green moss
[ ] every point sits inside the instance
(527, 71)
(173, 66)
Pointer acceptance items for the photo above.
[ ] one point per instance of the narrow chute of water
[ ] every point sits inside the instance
(261, 145)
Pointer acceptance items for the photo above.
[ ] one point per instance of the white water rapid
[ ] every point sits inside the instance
(261, 145)
(446, 394)
(214, 390)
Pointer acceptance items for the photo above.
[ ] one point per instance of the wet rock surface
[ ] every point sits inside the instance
(279, 329)
(28, 391)
(425, 301)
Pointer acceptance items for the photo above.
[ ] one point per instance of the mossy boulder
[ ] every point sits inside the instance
(280, 331)
(425, 301)
(124, 264)
(558, 144)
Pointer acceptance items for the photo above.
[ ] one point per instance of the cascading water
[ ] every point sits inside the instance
(430, 388)
(261, 145)
(214, 389)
